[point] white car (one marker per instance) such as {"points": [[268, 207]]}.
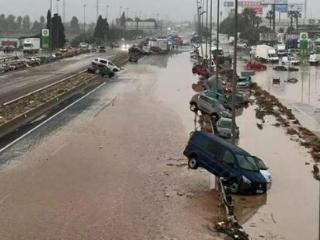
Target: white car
{"points": [[289, 60], [264, 170], [107, 63]]}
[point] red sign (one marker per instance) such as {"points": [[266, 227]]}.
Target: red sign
{"points": [[254, 5]]}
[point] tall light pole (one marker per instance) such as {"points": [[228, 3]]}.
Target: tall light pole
{"points": [[235, 76], [97, 9], [84, 18], [64, 11], [50, 30], [107, 11], [210, 45], [58, 6], [207, 12], [217, 44]]}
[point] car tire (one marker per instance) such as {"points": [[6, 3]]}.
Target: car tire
{"points": [[193, 107], [215, 116], [234, 187], [193, 163]]}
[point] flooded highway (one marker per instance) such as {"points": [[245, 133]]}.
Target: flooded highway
{"points": [[111, 167]]}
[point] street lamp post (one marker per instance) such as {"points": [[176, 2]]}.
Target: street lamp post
{"points": [[50, 30], [107, 11], [217, 43], [84, 18], [235, 76]]}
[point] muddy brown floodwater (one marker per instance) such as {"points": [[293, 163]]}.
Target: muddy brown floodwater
{"points": [[115, 169]]}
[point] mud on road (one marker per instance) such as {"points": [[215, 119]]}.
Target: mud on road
{"points": [[113, 171]]}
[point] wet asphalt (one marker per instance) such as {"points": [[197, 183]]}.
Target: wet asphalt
{"points": [[111, 167]]}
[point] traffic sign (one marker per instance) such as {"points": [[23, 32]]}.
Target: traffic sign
{"points": [[45, 33]]}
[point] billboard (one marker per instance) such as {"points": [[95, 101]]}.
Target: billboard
{"points": [[281, 8], [269, 2], [295, 7], [254, 5], [228, 4]]}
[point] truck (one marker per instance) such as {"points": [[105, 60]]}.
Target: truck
{"points": [[31, 45], [265, 53]]}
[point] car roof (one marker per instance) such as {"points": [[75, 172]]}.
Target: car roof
{"points": [[231, 147]]}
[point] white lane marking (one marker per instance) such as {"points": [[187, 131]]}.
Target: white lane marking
{"points": [[49, 119], [4, 198], [303, 113], [58, 149]]}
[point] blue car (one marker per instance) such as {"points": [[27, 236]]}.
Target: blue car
{"points": [[223, 159]]}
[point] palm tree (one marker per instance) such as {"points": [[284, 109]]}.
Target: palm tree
{"points": [[297, 15], [270, 17], [291, 15]]}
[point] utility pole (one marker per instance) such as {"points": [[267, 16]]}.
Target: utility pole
{"points": [[206, 32], [107, 11], [274, 17], [84, 18], [50, 30], [210, 45], [97, 9], [217, 44], [305, 14], [64, 11], [235, 75]]}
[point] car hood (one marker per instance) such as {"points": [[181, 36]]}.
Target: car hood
{"points": [[253, 176], [266, 174]]}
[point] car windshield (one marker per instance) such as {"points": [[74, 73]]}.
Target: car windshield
{"points": [[225, 124], [103, 61], [247, 162], [260, 164]]}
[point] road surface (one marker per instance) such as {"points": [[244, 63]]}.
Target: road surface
{"points": [[18, 83], [111, 167]]}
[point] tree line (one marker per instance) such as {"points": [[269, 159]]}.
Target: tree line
{"points": [[12, 24]]}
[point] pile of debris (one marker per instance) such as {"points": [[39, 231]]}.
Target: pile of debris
{"points": [[270, 105]]}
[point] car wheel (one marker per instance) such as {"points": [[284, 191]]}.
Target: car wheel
{"points": [[215, 116], [193, 163], [234, 187], [193, 107]]}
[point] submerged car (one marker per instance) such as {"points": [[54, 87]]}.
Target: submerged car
{"points": [[209, 106], [255, 65], [284, 68], [264, 170], [225, 160], [225, 100], [224, 128], [244, 81], [200, 70]]}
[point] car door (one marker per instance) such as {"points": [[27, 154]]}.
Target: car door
{"points": [[204, 103], [228, 164], [208, 157]]}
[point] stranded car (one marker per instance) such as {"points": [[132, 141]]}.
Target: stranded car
{"points": [[284, 68], [208, 106], [225, 160], [107, 63], [224, 128], [200, 70], [255, 65], [101, 69]]}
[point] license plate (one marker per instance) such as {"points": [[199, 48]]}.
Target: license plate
{"points": [[259, 191]]}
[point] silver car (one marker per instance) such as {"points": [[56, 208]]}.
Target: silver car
{"points": [[208, 106], [224, 128]]}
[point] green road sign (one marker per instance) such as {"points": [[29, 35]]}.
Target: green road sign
{"points": [[45, 38]]}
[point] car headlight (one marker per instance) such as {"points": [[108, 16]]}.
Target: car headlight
{"points": [[246, 180]]}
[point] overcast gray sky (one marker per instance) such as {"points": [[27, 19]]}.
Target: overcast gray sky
{"points": [[172, 9]]}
